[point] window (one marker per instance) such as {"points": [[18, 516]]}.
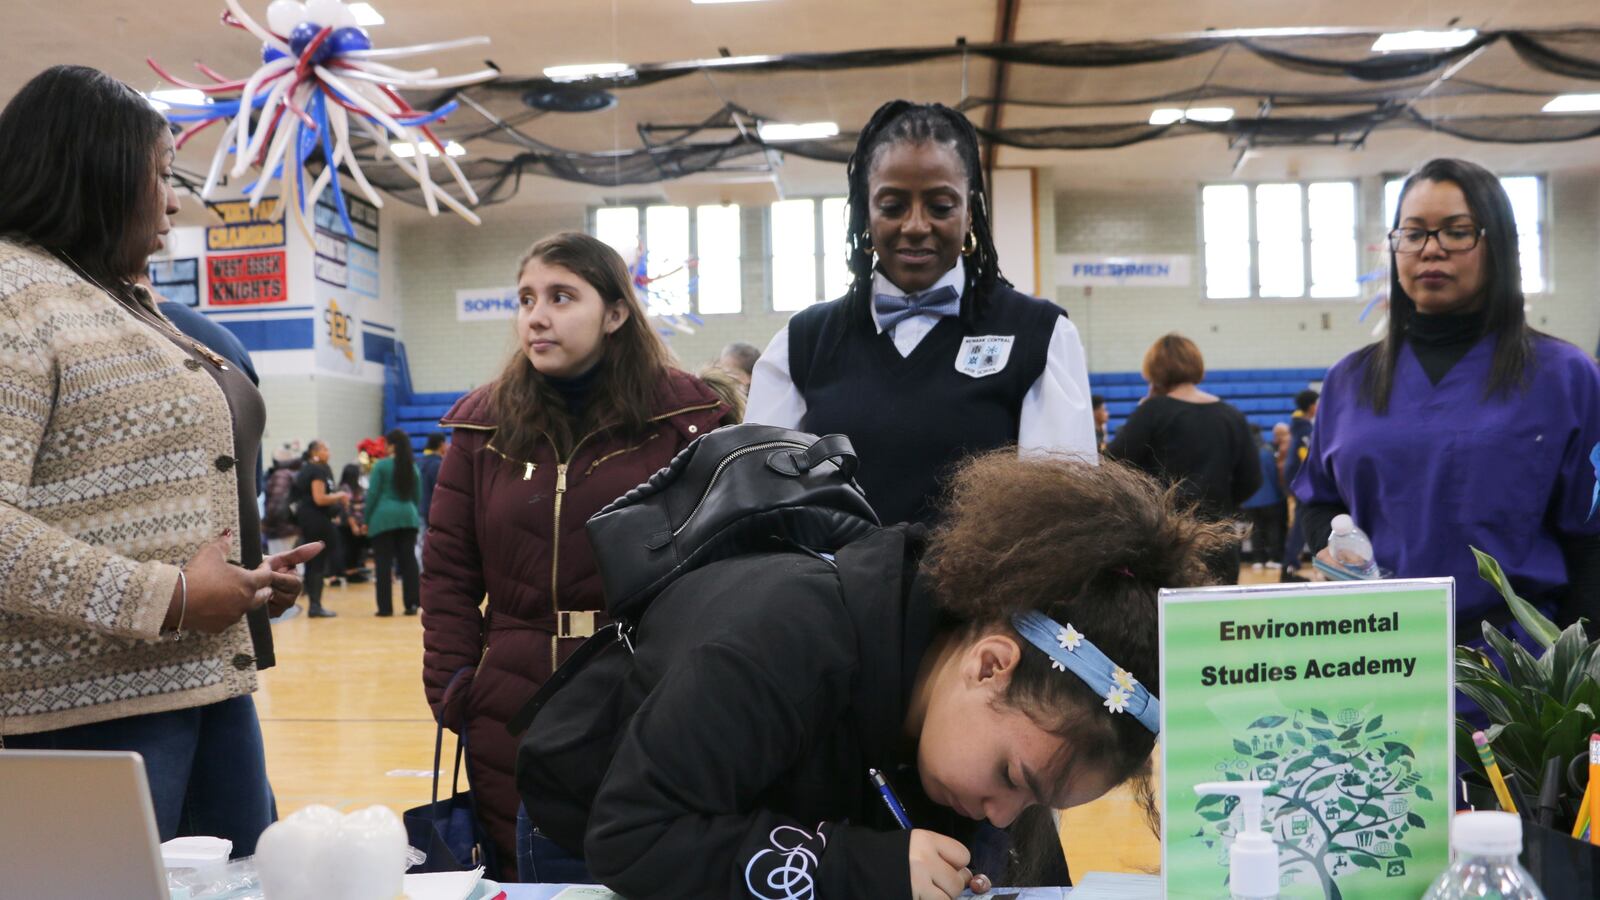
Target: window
{"points": [[1280, 240], [1527, 208], [809, 255], [794, 255], [691, 255]]}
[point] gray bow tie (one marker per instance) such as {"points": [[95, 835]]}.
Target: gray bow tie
{"points": [[892, 310]]}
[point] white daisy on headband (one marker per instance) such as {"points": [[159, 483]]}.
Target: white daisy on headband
{"points": [[1116, 700], [1124, 679], [1069, 638]]}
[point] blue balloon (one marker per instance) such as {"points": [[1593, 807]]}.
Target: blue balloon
{"points": [[345, 40], [301, 36], [270, 53]]}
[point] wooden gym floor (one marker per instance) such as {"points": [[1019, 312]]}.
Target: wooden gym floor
{"points": [[345, 725]]}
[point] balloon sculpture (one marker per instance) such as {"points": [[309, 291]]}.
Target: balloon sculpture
{"points": [[322, 69]]}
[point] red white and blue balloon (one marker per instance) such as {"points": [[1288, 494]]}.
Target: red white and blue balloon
{"points": [[319, 75]]}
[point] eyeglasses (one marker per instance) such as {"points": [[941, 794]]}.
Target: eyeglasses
{"points": [[1452, 239]]}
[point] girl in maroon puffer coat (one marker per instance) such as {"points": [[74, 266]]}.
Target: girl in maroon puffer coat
{"points": [[588, 408]]}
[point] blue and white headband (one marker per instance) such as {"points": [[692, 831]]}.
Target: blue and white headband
{"points": [[1068, 650]]}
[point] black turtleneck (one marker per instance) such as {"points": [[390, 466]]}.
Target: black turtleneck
{"points": [[576, 390], [1442, 339]]}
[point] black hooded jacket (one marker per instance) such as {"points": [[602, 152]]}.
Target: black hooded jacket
{"points": [[763, 688]]}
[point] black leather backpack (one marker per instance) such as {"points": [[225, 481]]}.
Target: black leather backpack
{"points": [[740, 489]]}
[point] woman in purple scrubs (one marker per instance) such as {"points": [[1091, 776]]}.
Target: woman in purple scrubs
{"points": [[1463, 427]]}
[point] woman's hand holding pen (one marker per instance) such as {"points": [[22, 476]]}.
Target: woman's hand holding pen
{"points": [[939, 867]]}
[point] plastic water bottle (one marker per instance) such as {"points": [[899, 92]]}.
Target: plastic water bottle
{"points": [[1485, 847], [1351, 548]]}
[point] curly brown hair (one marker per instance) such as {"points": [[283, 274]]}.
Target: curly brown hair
{"points": [[1081, 543]]}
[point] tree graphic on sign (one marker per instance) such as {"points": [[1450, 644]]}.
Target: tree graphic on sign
{"points": [[1341, 798]]}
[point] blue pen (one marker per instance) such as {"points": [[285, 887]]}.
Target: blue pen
{"points": [[889, 799]]}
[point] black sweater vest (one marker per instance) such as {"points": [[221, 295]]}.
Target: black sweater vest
{"points": [[913, 419]]}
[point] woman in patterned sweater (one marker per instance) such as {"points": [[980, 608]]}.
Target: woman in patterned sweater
{"points": [[130, 548]]}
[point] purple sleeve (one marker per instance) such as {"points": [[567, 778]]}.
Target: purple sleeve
{"points": [[1568, 515], [1314, 483]]}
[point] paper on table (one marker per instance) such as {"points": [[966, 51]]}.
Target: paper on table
{"points": [[1117, 886], [586, 893], [442, 885]]}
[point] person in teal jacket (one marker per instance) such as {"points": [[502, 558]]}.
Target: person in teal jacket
{"points": [[393, 488]]}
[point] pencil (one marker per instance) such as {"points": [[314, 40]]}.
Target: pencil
{"points": [[1594, 792], [1582, 821], [1498, 781]]}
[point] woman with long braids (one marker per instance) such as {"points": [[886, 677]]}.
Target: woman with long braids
{"points": [[930, 356]]}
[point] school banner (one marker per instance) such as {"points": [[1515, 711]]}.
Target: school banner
{"points": [[244, 228], [246, 279], [1342, 697]]}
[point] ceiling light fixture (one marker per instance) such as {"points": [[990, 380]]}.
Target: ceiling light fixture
{"points": [[1167, 115], [588, 70], [802, 131], [163, 100], [407, 151], [1565, 103], [1397, 41]]}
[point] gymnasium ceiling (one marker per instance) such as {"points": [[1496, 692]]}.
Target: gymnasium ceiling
{"points": [[530, 36]]}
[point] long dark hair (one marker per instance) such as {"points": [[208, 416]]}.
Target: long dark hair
{"points": [[632, 363], [1502, 287], [901, 121], [405, 466], [78, 171]]}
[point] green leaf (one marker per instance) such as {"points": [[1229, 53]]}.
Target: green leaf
{"points": [[1402, 850], [1297, 765], [1321, 784], [1540, 628], [1523, 669], [1232, 776], [1208, 800], [1569, 735], [1364, 861], [1424, 793], [1370, 811], [1320, 716], [1565, 656], [1321, 734], [1213, 815], [1375, 724], [1490, 700], [1241, 747], [1416, 821], [1346, 804], [1297, 738], [1269, 721], [1350, 733], [1360, 763], [1267, 755]]}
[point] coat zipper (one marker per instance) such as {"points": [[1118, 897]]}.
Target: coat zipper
{"points": [[726, 461], [555, 534]]}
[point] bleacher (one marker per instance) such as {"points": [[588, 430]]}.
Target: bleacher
{"points": [[1265, 396], [404, 408]]}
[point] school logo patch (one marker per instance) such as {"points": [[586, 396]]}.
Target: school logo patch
{"points": [[986, 355]]}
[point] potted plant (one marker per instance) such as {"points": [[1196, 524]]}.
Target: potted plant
{"points": [[1539, 708]]}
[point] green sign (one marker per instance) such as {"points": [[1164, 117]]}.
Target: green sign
{"points": [[1342, 696]]}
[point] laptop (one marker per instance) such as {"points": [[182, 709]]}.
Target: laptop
{"points": [[78, 824]]}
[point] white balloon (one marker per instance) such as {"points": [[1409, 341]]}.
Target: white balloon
{"points": [[347, 19], [284, 15], [324, 12]]}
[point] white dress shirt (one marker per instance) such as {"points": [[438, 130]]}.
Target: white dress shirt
{"points": [[1055, 418]]}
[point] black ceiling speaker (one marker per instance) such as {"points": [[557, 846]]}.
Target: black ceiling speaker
{"points": [[571, 98]]}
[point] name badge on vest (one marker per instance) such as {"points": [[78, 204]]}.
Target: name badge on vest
{"points": [[986, 355]]}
